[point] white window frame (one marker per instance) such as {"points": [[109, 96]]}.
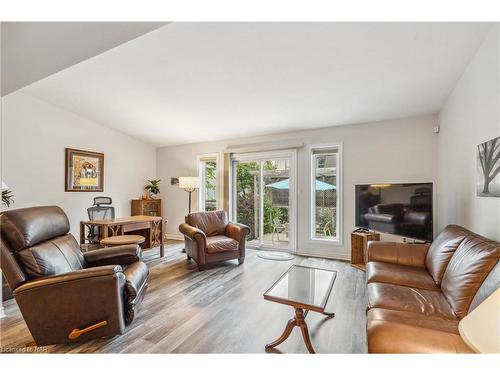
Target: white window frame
{"points": [[219, 183], [338, 240], [263, 156]]}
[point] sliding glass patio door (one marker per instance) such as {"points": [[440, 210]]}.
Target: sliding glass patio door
{"points": [[263, 187]]}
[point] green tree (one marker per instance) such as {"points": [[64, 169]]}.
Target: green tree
{"points": [[245, 194], [247, 189], [210, 185]]}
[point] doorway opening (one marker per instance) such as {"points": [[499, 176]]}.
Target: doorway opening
{"points": [[263, 197]]}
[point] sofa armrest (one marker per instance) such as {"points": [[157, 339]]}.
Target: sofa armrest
{"points": [[196, 242], [237, 231], [121, 255], [54, 307], [397, 253], [191, 232], [82, 274]]}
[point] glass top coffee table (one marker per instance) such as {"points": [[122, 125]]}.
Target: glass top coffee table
{"points": [[305, 289]]}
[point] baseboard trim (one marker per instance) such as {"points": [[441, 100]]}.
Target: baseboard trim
{"points": [[310, 253], [323, 254]]}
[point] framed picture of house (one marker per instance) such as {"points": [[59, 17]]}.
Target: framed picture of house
{"points": [[488, 168], [84, 171]]}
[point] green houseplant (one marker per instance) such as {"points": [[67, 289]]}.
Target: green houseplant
{"points": [[153, 188], [7, 196]]}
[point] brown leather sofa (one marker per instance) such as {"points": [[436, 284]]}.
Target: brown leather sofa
{"points": [[417, 294], [65, 295], [211, 238]]}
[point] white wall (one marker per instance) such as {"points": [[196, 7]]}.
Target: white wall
{"points": [[393, 151], [34, 136], [470, 116]]}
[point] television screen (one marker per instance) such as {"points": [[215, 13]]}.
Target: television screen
{"points": [[401, 209]]}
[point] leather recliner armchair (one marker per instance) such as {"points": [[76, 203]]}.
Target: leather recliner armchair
{"points": [[211, 238], [65, 295]]}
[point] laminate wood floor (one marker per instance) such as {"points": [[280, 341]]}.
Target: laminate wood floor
{"points": [[220, 310]]}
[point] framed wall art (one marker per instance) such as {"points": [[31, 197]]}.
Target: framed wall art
{"points": [[84, 171], [488, 168]]}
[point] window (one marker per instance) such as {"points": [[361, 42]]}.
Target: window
{"points": [[209, 190], [325, 186]]}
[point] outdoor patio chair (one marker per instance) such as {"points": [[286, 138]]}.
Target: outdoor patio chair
{"points": [[278, 228]]}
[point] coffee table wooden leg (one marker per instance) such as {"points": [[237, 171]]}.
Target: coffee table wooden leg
{"points": [[299, 318], [298, 321], [307, 339], [288, 329]]}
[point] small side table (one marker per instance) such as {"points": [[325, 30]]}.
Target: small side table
{"points": [[304, 289], [359, 243], [128, 239]]}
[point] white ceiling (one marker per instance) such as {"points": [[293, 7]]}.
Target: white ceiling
{"points": [[34, 50], [193, 82]]}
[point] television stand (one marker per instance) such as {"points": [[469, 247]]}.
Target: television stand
{"points": [[359, 243]]}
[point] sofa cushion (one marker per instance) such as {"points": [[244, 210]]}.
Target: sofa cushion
{"points": [[26, 227], [52, 257], [415, 319], [403, 298], [398, 274], [442, 249], [219, 244], [390, 331], [211, 223], [468, 268]]}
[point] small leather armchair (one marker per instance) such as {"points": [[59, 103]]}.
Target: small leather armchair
{"points": [[65, 295], [210, 238]]}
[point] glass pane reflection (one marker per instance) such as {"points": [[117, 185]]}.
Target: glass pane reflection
{"points": [[304, 285]]}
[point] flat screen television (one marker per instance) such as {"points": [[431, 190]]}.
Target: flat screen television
{"points": [[401, 209]]}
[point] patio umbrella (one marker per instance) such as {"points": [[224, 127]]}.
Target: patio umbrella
{"points": [[285, 184]]}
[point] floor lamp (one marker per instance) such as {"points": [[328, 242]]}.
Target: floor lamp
{"points": [[189, 184]]}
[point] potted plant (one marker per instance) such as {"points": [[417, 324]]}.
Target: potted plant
{"points": [[7, 196], [153, 188]]}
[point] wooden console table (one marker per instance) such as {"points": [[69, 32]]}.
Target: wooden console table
{"points": [[151, 227]]}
